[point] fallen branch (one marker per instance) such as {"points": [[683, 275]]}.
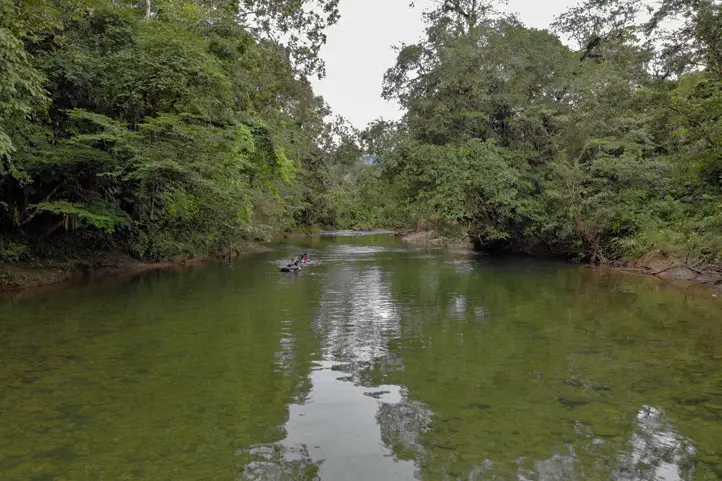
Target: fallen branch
{"points": [[663, 270], [684, 264]]}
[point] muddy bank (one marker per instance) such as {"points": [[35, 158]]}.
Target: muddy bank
{"points": [[656, 264], [432, 238], [668, 267], [22, 276], [27, 275]]}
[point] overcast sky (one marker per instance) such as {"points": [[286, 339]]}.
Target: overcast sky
{"points": [[358, 50]]}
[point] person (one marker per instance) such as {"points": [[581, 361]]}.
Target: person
{"points": [[305, 257]]}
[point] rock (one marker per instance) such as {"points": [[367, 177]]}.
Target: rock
{"points": [[679, 272], [707, 279]]}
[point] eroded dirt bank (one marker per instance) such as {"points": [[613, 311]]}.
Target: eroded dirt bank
{"points": [[22, 276], [658, 264]]}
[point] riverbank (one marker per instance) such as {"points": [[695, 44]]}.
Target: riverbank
{"points": [[20, 276], [432, 238], [28, 275], [668, 267], [658, 264]]}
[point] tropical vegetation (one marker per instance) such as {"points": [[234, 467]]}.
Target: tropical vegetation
{"points": [[176, 127], [601, 140], [164, 128]]}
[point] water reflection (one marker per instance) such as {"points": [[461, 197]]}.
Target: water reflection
{"points": [[656, 451], [457, 307], [274, 462], [377, 362], [402, 424], [333, 435], [349, 426], [435, 369], [357, 314]]}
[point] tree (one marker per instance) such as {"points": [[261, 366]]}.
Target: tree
{"points": [[602, 146], [21, 89], [177, 132], [679, 35], [298, 26]]}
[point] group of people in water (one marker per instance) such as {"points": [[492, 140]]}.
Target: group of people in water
{"points": [[298, 260]]}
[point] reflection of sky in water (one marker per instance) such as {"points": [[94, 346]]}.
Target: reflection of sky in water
{"points": [[656, 451], [335, 434], [342, 430], [286, 354], [350, 253], [349, 428], [557, 467], [457, 307], [357, 315], [463, 266]]}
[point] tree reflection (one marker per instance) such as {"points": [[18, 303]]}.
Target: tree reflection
{"points": [[402, 424], [539, 374], [334, 433], [445, 373], [656, 452], [273, 462]]}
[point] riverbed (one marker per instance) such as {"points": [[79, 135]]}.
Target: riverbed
{"points": [[379, 361]]}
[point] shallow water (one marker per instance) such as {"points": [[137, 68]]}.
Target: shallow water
{"points": [[378, 362]]}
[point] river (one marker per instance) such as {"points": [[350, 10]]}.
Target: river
{"points": [[380, 361]]}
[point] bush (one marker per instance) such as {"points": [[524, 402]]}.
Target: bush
{"points": [[13, 252]]}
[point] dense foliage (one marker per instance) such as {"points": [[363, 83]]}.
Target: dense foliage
{"points": [[162, 128], [603, 151], [189, 126]]}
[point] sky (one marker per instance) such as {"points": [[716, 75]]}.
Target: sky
{"points": [[359, 50]]}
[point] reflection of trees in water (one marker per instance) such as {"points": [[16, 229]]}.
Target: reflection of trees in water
{"points": [[541, 373], [401, 425], [547, 387], [273, 462], [656, 451], [337, 436], [355, 319]]}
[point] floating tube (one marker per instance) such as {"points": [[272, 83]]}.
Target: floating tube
{"points": [[289, 269]]}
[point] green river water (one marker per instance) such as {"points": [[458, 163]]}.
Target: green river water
{"points": [[380, 361]]}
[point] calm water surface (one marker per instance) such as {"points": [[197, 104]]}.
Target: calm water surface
{"points": [[378, 362]]}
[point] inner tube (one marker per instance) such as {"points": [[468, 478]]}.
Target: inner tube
{"points": [[289, 269]]}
